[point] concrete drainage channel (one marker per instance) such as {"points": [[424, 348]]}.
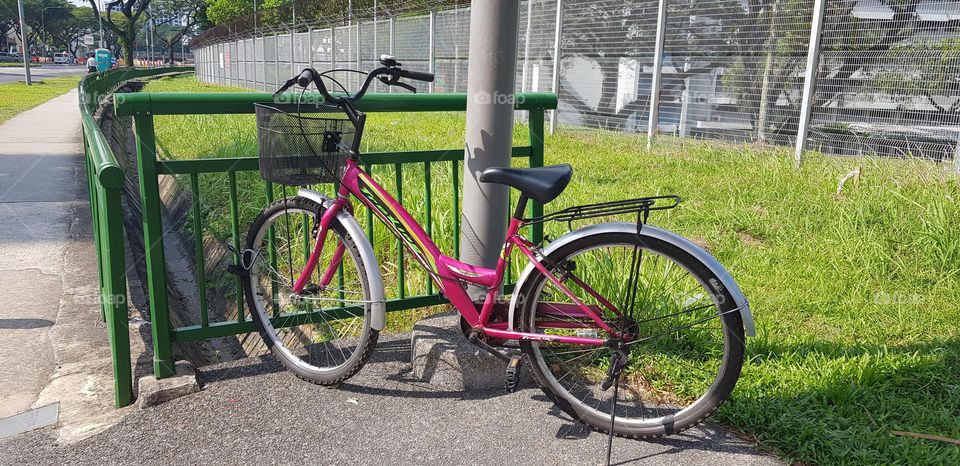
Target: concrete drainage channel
{"points": [[181, 289]]}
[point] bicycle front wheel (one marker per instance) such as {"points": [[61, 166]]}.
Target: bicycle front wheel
{"points": [[323, 335], [688, 338]]}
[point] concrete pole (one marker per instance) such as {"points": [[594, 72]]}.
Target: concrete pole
{"points": [[557, 35], [654, 113], [23, 43], [810, 79], [491, 78]]}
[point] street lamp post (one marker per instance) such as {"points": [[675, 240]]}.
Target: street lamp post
{"points": [[100, 20], [23, 44]]}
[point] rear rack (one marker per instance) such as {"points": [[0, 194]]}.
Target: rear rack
{"points": [[641, 206]]}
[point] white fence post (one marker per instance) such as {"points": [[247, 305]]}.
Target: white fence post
{"points": [[393, 24], [654, 113], [432, 55], [526, 47], [309, 47], [810, 79], [333, 47], [557, 35], [276, 64]]}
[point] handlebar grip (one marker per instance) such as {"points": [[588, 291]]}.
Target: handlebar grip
{"points": [[305, 78], [417, 75]]}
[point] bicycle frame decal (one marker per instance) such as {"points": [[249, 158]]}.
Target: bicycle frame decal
{"points": [[378, 202]]}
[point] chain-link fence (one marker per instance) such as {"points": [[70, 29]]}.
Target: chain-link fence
{"points": [[887, 78]]}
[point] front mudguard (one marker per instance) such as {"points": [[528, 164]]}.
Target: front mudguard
{"points": [[378, 306], [726, 280]]}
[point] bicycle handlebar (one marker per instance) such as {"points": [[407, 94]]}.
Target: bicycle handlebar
{"points": [[309, 75], [426, 77]]}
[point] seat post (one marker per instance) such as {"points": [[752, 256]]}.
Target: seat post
{"points": [[521, 206]]}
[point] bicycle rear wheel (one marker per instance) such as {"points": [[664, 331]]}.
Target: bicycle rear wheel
{"points": [[323, 335], [689, 338]]}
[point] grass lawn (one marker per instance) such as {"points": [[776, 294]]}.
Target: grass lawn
{"points": [[18, 97], [855, 295]]}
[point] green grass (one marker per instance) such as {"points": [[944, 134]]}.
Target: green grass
{"points": [[18, 97], [855, 295], [17, 65]]}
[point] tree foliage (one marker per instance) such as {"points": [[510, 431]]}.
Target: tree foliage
{"points": [[122, 18], [174, 19]]}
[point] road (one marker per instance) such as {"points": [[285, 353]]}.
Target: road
{"points": [[9, 75]]}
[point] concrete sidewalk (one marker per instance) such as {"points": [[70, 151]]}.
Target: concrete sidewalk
{"points": [[253, 411], [53, 347]]}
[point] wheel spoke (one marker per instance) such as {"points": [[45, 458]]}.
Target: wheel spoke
{"points": [[679, 341], [331, 345]]}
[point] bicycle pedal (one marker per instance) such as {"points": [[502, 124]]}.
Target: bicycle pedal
{"points": [[512, 376]]}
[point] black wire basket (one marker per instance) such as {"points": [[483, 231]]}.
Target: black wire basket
{"points": [[306, 145]]}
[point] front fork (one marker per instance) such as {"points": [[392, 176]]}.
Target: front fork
{"points": [[326, 218]]}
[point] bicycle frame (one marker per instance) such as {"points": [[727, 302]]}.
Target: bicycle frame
{"points": [[448, 272]]}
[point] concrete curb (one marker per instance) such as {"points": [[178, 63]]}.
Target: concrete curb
{"points": [[153, 391], [441, 356]]}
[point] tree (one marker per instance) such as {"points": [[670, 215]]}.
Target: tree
{"points": [[124, 27], [175, 19], [68, 32]]}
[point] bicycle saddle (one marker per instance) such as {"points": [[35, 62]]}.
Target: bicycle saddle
{"points": [[542, 184]]}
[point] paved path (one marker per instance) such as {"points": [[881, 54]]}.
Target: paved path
{"points": [[52, 346], [253, 411], [14, 74]]}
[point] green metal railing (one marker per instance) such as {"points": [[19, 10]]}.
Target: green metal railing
{"points": [[105, 190], [144, 106]]}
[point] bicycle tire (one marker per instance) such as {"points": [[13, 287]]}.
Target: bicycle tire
{"points": [[719, 390], [367, 340]]}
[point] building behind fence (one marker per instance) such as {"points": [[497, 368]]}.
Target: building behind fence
{"points": [[887, 78]]}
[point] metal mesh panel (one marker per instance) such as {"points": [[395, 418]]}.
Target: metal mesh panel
{"points": [[234, 68], [259, 68], [887, 80], [734, 70], [452, 42], [606, 63], [321, 49], [535, 54], [284, 49], [345, 54], [301, 47]]}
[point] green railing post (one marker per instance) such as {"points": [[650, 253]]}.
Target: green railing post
{"points": [[118, 323], [163, 365], [535, 123]]}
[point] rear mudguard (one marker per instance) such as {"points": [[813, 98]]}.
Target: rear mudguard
{"points": [[378, 306], [726, 281]]}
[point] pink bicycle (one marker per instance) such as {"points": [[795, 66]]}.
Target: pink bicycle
{"points": [[621, 304]]}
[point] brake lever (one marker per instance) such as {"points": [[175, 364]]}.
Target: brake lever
{"points": [[406, 86], [394, 80]]}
